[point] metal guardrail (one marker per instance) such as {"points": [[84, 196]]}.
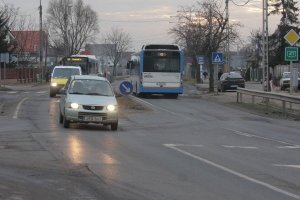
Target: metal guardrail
{"points": [[284, 98]]}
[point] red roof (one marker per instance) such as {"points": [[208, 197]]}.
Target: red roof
{"points": [[28, 41]]}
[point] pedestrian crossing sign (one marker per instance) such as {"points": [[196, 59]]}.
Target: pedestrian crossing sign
{"points": [[217, 58]]}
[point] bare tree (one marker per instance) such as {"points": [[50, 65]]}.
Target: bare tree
{"points": [[27, 50], [117, 42], [202, 29], [71, 24]]}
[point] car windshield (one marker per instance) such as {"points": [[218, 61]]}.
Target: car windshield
{"points": [[90, 87], [167, 63], [234, 75], [288, 75], [65, 72]]}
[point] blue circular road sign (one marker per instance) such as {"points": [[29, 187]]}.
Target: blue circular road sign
{"points": [[126, 88]]}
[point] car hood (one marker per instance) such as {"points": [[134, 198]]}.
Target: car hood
{"points": [[92, 99], [285, 79], [60, 81]]}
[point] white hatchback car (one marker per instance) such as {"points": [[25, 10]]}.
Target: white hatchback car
{"points": [[88, 99], [285, 80]]}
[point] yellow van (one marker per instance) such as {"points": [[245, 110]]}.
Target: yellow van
{"points": [[60, 76]]}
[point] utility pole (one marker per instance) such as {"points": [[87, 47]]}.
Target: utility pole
{"points": [[265, 47], [227, 53], [211, 68], [41, 42]]}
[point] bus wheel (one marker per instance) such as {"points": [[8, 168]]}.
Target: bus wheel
{"points": [[171, 96], [175, 96]]}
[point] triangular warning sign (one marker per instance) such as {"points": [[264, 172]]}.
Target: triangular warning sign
{"points": [[217, 59]]}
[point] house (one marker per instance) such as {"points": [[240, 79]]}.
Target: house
{"points": [[28, 46]]}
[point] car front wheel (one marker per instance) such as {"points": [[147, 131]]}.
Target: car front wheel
{"points": [[114, 126], [222, 88], [66, 123], [61, 118], [52, 93]]}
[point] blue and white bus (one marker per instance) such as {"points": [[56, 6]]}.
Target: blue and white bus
{"points": [[157, 69]]}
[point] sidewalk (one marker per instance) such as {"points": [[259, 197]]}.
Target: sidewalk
{"points": [[228, 98], [14, 85]]}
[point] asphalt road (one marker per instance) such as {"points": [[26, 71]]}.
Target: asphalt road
{"points": [[188, 148]]}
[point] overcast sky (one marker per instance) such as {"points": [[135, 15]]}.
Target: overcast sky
{"points": [[148, 21]]}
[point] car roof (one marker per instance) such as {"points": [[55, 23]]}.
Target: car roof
{"points": [[89, 77], [62, 66]]}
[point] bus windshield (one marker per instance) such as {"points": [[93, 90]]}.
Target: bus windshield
{"points": [[154, 63]]}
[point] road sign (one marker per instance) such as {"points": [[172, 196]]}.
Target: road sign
{"points": [[126, 88], [217, 58], [291, 54], [4, 57], [291, 37], [200, 59]]}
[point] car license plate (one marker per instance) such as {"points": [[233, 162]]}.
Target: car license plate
{"points": [[92, 118], [234, 86]]}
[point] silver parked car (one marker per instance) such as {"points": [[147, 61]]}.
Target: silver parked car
{"points": [[285, 79], [88, 99]]}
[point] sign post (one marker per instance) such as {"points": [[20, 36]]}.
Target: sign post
{"points": [[291, 54], [217, 58], [4, 58], [200, 60], [126, 88]]}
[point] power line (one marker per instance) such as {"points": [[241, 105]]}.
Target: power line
{"points": [[137, 21], [245, 3]]}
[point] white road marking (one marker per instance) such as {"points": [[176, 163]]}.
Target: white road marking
{"points": [[239, 147], [12, 92], [256, 136], [291, 166], [290, 147], [57, 101], [41, 92], [26, 92], [183, 145], [159, 108], [223, 168], [15, 116]]}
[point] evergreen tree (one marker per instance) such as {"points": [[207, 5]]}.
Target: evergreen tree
{"points": [[3, 32], [289, 20]]}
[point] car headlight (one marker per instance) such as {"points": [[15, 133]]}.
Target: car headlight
{"points": [[111, 108], [53, 84], [72, 105]]}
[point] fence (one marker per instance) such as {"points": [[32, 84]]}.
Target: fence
{"points": [[267, 96], [20, 75]]}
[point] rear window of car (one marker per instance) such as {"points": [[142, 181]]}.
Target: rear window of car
{"points": [[65, 72], [234, 75]]}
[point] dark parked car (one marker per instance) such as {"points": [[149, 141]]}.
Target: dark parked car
{"points": [[230, 81]]}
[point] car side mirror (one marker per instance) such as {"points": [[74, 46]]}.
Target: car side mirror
{"points": [[62, 91]]}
